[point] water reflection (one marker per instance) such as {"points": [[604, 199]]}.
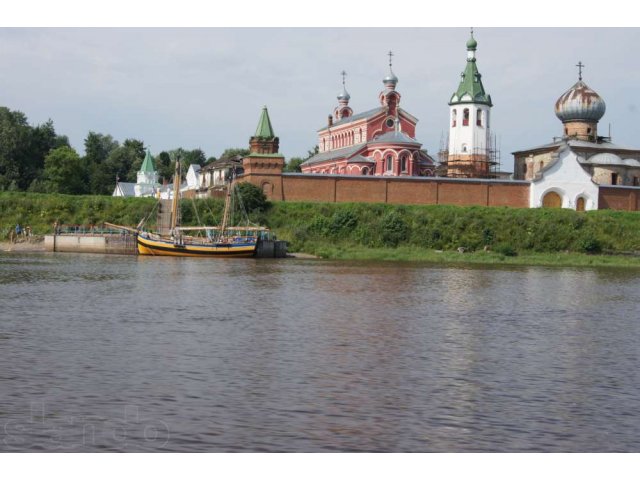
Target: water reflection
{"points": [[314, 356]]}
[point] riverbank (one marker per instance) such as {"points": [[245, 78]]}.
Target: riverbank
{"points": [[359, 231], [33, 245], [412, 254]]}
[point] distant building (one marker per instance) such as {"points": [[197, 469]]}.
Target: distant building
{"points": [[147, 181], [217, 174], [471, 151], [378, 142], [567, 172]]}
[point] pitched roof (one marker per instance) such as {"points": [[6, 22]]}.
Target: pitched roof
{"points": [[395, 137], [264, 130], [359, 116], [360, 159], [126, 188], [603, 146], [334, 154], [147, 164], [235, 161]]}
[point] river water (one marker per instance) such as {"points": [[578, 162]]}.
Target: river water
{"points": [[117, 353]]}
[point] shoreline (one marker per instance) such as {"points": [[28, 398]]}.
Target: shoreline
{"points": [[490, 258], [422, 256], [36, 245]]}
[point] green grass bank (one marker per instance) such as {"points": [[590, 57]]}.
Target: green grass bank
{"points": [[431, 233]]}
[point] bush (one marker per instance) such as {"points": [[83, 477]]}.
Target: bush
{"points": [[506, 250], [590, 245], [341, 221], [394, 229], [253, 198]]}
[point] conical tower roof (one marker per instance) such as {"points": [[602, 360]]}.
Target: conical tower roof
{"points": [[147, 164], [471, 89], [264, 130]]}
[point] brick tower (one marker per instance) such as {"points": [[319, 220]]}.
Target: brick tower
{"points": [[263, 166]]}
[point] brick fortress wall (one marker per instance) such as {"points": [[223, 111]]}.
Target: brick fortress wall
{"points": [[397, 190], [619, 198], [296, 187]]}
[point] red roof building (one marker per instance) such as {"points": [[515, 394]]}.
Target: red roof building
{"points": [[378, 142]]}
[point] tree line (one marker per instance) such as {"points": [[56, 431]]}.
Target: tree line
{"points": [[38, 159]]}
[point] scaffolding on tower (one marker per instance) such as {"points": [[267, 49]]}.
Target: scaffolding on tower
{"points": [[479, 163]]}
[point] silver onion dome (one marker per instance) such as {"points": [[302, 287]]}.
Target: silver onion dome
{"points": [[580, 103], [344, 95], [390, 79]]}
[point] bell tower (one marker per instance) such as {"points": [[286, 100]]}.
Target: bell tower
{"points": [[469, 123]]}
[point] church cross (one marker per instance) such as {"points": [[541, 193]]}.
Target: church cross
{"points": [[390, 55], [580, 66], [344, 74]]}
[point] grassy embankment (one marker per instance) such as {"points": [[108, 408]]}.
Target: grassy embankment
{"points": [[378, 231]]}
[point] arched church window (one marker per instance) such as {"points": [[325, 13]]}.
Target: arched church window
{"points": [[464, 148], [365, 171], [403, 163], [580, 204], [389, 163], [454, 115], [465, 117], [479, 117]]}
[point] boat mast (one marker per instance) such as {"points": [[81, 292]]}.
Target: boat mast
{"points": [[176, 195], [227, 206]]}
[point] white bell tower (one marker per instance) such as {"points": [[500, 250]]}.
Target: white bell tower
{"points": [[469, 123]]}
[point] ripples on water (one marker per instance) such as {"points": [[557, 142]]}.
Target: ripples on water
{"points": [[110, 353]]}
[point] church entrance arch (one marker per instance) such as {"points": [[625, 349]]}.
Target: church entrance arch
{"points": [[580, 204], [552, 200]]}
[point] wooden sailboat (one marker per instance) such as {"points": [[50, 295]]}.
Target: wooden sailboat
{"points": [[219, 241]]}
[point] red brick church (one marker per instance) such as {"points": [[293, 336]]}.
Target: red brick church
{"points": [[379, 142]]}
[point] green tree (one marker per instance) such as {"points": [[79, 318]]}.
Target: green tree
{"points": [[15, 143], [194, 157], [64, 171], [293, 165], [232, 152], [164, 165], [97, 149], [123, 163], [253, 198], [137, 152]]}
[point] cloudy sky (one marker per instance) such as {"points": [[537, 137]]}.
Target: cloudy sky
{"points": [[204, 87]]}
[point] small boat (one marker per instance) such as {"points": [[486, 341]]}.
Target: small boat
{"points": [[219, 241]]}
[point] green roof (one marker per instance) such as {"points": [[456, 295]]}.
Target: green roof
{"points": [[471, 82], [147, 165], [264, 130]]}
